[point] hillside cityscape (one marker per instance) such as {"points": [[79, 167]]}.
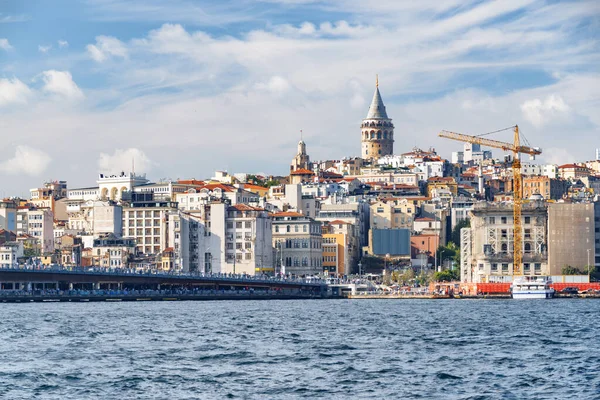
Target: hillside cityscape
{"points": [[406, 212]]}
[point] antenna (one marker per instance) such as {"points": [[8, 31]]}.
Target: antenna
{"points": [[301, 136], [132, 165], [376, 80]]}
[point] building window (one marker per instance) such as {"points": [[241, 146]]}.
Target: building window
{"points": [[304, 228], [276, 228], [494, 267], [238, 225], [504, 267], [504, 220], [527, 220], [492, 220], [296, 228], [288, 229]]}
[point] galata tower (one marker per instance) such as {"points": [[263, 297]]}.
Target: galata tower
{"points": [[377, 130]]}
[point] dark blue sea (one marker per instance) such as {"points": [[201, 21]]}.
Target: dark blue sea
{"points": [[328, 349]]}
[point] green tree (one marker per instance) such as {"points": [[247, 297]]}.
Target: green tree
{"points": [[450, 251], [568, 270], [446, 276], [455, 234]]}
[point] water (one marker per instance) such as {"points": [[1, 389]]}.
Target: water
{"points": [[335, 349]]}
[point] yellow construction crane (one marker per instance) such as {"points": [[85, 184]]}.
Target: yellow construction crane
{"points": [[516, 148]]}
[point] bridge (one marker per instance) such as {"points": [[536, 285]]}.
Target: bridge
{"points": [[37, 281]]}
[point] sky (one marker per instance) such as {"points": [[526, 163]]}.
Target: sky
{"points": [[187, 87]]}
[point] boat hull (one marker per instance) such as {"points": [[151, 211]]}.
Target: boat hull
{"points": [[533, 294]]}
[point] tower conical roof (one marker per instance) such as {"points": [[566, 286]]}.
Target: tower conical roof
{"points": [[377, 109]]}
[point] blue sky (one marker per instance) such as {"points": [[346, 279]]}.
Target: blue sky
{"points": [[187, 87]]}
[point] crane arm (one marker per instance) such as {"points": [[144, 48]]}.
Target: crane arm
{"points": [[489, 142]]}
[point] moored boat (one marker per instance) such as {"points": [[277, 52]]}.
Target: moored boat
{"points": [[532, 287]]}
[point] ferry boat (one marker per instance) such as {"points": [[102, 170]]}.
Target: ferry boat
{"points": [[532, 287]]}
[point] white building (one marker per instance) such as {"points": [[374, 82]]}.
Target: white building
{"points": [[245, 238], [10, 252], [189, 238], [94, 217], [8, 215], [549, 170], [110, 187], [298, 242], [38, 223]]}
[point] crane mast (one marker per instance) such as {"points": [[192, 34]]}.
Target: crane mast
{"points": [[516, 149]]}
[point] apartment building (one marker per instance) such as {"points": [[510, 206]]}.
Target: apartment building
{"points": [[298, 242]]}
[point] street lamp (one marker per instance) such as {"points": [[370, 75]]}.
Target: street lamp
{"points": [[359, 268], [588, 259]]}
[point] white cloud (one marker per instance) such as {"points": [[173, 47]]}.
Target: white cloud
{"points": [[539, 112], [13, 91], [357, 100], [63, 43], [61, 83], [442, 66], [106, 47], [44, 49], [276, 85], [124, 160], [558, 156], [5, 45], [27, 160]]}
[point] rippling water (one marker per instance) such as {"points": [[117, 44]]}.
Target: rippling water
{"points": [[333, 349]]}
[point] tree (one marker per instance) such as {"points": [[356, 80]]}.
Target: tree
{"points": [[450, 251], [568, 270], [455, 234], [446, 276]]}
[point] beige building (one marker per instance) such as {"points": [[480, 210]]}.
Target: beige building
{"points": [[298, 242], [341, 249], [573, 171], [392, 213], [487, 246], [147, 223], [570, 236], [302, 160], [377, 130], [550, 188]]}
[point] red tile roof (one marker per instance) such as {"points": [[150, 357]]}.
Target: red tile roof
{"points": [[245, 207], [223, 187], [302, 171], [337, 222], [287, 214]]}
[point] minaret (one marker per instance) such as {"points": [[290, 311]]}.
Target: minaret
{"points": [[377, 135]]}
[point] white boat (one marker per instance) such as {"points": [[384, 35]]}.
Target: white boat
{"points": [[532, 287]]}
